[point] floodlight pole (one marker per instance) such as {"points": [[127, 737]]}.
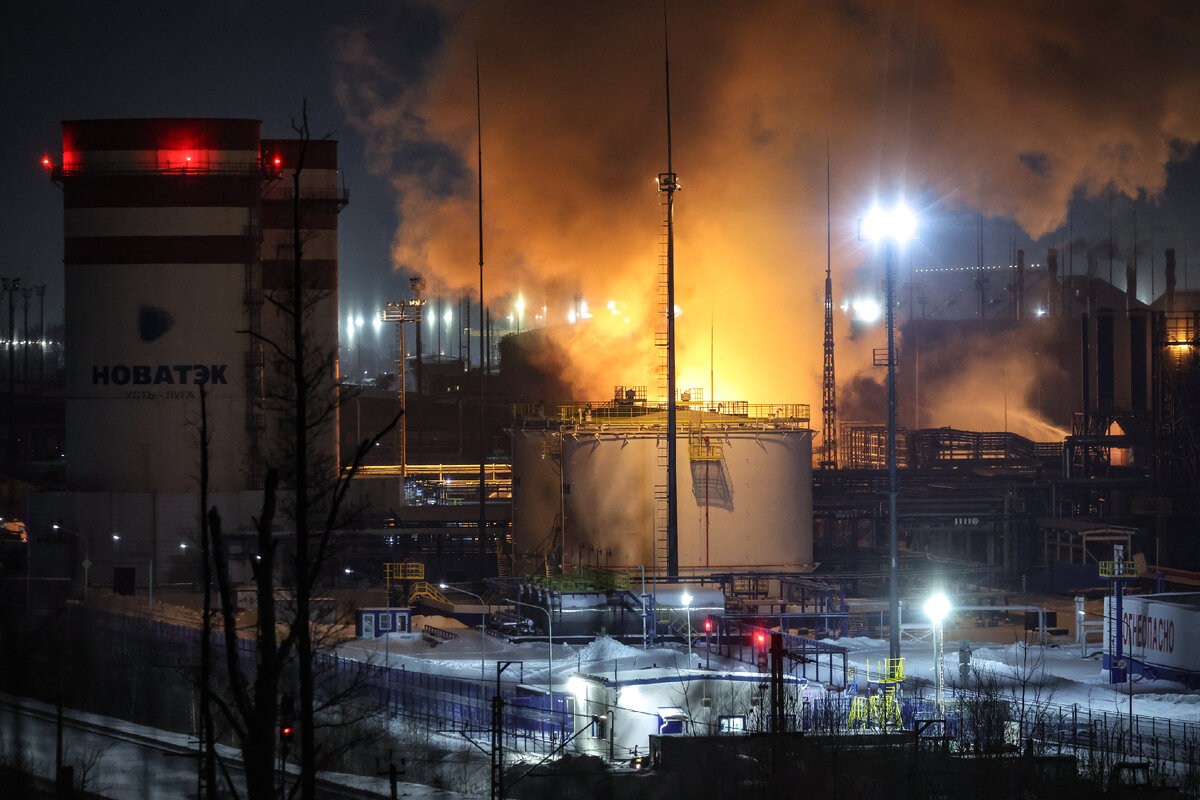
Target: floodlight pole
{"points": [[936, 608], [482, 618], [550, 637], [889, 262], [401, 312], [687, 610], [939, 682]]}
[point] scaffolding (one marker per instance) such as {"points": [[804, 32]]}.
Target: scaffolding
{"points": [[877, 706]]}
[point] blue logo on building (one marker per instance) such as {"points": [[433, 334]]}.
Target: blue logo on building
{"points": [[153, 323]]}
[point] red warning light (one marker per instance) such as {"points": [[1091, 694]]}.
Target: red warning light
{"points": [[708, 625], [45, 162], [278, 161], [285, 732], [761, 638]]}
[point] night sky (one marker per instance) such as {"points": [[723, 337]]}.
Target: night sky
{"points": [[1040, 117], [80, 60]]}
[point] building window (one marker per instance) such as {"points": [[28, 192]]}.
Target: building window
{"points": [[733, 724]]}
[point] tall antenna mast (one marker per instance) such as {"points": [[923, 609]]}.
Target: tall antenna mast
{"points": [[667, 185], [482, 354], [829, 406]]}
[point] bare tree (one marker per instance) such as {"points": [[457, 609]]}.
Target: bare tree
{"points": [[304, 490]]}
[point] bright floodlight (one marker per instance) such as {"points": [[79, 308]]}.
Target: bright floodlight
{"points": [[898, 224], [937, 607], [866, 310], [687, 600]]}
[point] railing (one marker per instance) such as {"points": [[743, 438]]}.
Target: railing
{"points": [[728, 413], [439, 633], [584, 578]]}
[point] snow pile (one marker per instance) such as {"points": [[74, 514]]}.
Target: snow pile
{"points": [[606, 648], [436, 620], [853, 643]]}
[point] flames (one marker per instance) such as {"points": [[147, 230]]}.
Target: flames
{"points": [[1007, 108]]}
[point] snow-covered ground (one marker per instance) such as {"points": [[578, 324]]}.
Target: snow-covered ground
{"points": [[1069, 677], [1066, 675]]}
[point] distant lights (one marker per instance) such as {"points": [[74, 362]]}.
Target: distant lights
{"points": [[975, 268]]}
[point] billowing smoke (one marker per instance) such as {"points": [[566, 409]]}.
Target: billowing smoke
{"points": [[1009, 107]]}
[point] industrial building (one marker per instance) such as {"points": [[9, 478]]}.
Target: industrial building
{"points": [[1114, 381], [184, 242]]}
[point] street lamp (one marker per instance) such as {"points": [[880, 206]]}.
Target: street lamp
{"points": [[687, 610], [891, 227], [936, 608], [550, 636], [87, 561], [482, 617]]}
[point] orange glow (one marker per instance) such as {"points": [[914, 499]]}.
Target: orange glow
{"points": [[573, 142]]}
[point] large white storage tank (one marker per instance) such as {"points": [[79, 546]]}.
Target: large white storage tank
{"points": [[744, 488]]}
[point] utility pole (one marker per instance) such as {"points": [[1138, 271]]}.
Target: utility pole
{"points": [[482, 357], [11, 286], [40, 291], [497, 752], [25, 294]]}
